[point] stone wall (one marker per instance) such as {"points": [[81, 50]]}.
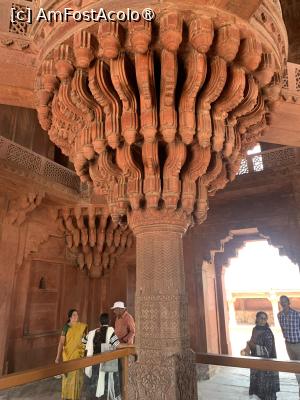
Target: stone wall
{"points": [[47, 285], [41, 281]]}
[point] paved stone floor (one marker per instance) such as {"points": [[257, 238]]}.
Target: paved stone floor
{"points": [[227, 384], [47, 389], [233, 384]]}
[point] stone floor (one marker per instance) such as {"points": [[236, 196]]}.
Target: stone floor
{"points": [[227, 384], [233, 384]]}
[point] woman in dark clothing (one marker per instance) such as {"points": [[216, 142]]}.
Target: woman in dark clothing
{"points": [[103, 381], [264, 384]]}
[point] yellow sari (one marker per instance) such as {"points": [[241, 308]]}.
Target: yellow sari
{"points": [[73, 348]]}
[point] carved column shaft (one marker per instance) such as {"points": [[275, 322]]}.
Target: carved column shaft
{"points": [[165, 367]]}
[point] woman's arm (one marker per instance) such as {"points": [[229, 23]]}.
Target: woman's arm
{"points": [[60, 348]]}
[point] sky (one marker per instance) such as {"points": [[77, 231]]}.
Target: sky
{"points": [[259, 267]]}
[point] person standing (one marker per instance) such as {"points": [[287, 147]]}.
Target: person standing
{"points": [[102, 384], [71, 347], [263, 384], [124, 324], [289, 320]]}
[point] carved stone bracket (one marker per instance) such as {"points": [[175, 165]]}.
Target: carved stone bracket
{"points": [[95, 239], [22, 206]]}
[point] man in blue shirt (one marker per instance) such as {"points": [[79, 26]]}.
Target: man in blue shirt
{"points": [[289, 320]]}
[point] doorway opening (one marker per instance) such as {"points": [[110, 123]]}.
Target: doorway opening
{"points": [[254, 281]]}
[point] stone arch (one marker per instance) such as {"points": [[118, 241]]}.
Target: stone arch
{"points": [[229, 247]]}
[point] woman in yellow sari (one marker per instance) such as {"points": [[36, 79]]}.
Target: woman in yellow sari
{"points": [[71, 347]]}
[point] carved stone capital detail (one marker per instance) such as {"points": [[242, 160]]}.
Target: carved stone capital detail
{"points": [[152, 220], [22, 206]]}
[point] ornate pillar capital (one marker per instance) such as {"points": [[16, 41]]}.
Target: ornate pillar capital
{"points": [[152, 220]]}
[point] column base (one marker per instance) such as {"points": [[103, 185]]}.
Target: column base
{"points": [[159, 377]]}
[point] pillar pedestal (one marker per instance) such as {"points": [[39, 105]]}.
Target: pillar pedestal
{"points": [[166, 367]]}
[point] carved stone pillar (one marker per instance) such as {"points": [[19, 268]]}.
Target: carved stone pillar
{"points": [[165, 367], [157, 123]]}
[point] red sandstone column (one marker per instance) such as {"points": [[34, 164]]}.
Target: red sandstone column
{"points": [[222, 311], [165, 367], [8, 260]]}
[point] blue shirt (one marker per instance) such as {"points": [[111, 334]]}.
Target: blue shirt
{"points": [[290, 325]]}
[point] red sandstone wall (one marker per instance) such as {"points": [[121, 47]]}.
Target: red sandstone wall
{"points": [[201, 290], [38, 314]]}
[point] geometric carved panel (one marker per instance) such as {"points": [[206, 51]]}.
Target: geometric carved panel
{"points": [[297, 79], [285, 79], [19, 27], [243, 167]]}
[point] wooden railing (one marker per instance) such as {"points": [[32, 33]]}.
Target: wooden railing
{"points": [[36, 374], [264, 364]]}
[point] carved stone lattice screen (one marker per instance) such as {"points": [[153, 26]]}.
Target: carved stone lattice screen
{"points": [[268, 160], [243, 167], [20, 26], [285, 79], [33, 162], [157, 116], [257, 163], [279, 157]]}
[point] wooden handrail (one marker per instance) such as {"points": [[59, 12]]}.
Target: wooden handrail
{"points": [[36, 374], [264, 364]]}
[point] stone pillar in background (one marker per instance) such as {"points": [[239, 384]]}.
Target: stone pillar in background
{"points": [[222, 309], [165, 362], [275, 308], [232, 319]]}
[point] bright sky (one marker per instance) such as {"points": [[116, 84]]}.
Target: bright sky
{"points": [[259, 267]]}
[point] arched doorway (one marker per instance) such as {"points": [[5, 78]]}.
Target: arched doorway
{"points": [[254, 281]]}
